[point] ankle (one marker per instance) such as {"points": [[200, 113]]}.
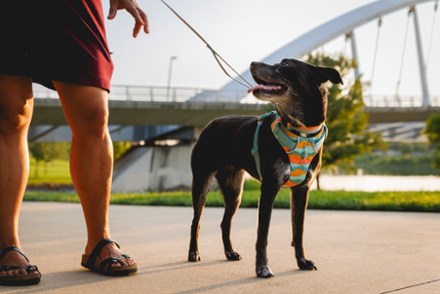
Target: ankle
{"points": [[13, 258], [9, 243], [94, 240]]}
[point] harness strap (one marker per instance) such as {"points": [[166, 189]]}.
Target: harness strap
{"points": [[255, 152], [290, 139]]}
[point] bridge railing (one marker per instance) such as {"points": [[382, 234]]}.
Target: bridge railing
{"points": [[156, 94], [183, 94], [172, 94], [153, 94], [398, 101]]}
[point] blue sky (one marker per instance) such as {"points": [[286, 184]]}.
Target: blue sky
{"points": [[243, 31]]}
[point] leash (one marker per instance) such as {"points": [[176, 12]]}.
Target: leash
{"points": [[217, 56]]}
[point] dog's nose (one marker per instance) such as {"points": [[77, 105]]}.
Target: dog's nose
{"points": [[254, 63]]}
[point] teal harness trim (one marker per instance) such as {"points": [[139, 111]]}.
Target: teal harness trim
{"points": [[300, 148], [254, 149]]}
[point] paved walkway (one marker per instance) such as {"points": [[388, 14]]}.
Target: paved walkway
{"points": [[356, 252]]}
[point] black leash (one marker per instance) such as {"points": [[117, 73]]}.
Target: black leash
{"points": [[217, 56]]}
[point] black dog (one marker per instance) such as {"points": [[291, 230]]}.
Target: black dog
{"points": [[224, 149]]}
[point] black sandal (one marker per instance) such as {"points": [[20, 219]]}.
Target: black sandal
{"points": [[94, 263], [32, 277]]}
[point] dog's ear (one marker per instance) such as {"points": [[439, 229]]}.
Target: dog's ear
{"points": [[329, 74]]}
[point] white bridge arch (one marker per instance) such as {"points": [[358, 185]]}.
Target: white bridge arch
{"points": [[339, 26]]}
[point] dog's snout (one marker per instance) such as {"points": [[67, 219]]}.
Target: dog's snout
{"points": [[254, 63]]}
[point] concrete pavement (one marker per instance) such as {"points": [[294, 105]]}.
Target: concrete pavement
{"points": [[355, 252]]}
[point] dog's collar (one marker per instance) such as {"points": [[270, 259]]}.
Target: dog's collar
{"points": [[289, 138], [305, 132]]}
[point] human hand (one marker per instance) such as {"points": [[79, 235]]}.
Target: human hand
{"points": [[133, 8]]}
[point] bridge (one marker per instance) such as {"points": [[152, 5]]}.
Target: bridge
{"points": [[149, 106]]}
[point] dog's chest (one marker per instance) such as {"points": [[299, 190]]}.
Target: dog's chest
{"points": [[300, 151]]}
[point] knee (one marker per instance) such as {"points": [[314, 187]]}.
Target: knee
{"points": [[93, 123], [15, 118]]}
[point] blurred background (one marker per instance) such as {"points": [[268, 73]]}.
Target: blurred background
{"points": [[167, 86]]}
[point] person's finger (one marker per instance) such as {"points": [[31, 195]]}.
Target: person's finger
{"points": [[114, 4], [133, 10], [145, 19], [136, 12], [137, 28]]}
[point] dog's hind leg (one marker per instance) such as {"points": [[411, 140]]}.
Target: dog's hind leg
{"points": [[298, 205], [230, 181], [200, 188]]}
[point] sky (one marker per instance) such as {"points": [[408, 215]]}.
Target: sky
{"points": [[243, 31]]}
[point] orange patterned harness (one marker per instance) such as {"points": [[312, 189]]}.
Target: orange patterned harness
{"points": [[300, 148]]}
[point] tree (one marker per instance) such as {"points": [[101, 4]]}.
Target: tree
{"points": [[119, 148], [346, 119], [48, 151], [432, 130]]}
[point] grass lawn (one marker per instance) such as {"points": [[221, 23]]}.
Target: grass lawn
{"points": [[335, 200], [55, 172]]}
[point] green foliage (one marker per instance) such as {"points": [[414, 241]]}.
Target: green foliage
{"points": [[119, 148], [403, 165], [55, 156], [346, 119], [436, 158], [50, 196], [48, 151], [384, 201], [338, 200], [408, 148], [251, 185], [433, 132], [57, 173], [432, 129]]}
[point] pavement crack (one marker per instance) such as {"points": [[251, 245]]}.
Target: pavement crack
{"points": [[411, 286]]}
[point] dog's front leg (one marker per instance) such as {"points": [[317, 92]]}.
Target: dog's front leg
{"points": [[299, 197], [264, 214]]}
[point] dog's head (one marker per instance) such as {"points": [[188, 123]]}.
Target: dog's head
{"points": [[295, 87]]}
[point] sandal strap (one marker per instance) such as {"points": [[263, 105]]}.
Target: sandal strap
{"points": [[107, 263], [28, 269], [97, 250], [12, 248]]}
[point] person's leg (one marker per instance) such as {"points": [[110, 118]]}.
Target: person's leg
{"points": [[16, 104], [91, 159]]}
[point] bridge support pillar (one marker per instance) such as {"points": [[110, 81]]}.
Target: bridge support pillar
{"points": [[422, 65], [354, 53]]}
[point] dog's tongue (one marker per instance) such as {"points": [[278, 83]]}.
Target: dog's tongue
{"points": [[263, 87]]}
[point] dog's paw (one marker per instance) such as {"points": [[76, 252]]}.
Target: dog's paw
{"points": [[306, 265], [193, 256], [232, 256], [263, 271]]}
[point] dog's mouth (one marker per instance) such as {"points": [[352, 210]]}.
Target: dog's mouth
{"points": [[264, 87]]}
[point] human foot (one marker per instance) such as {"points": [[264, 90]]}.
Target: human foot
{"points": [[107, 259], [15, 269]]}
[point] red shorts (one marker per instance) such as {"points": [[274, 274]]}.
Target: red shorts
{"points": [[55, 40]]}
